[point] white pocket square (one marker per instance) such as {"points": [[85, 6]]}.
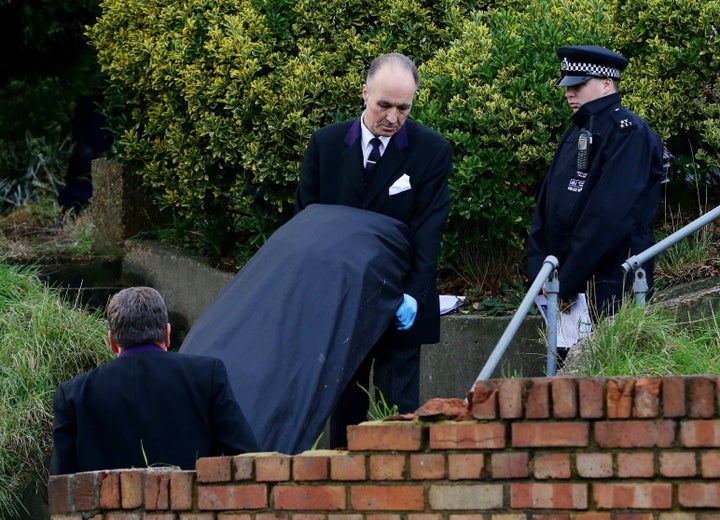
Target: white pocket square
{"points": [[400, 185]]}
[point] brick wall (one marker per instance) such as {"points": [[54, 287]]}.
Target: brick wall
{"points": [[545, 448]]}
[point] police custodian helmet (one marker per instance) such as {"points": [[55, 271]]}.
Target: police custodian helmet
{"points": [[583, 62]]}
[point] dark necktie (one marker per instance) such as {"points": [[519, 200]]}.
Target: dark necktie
{"points": [[372, 160]]}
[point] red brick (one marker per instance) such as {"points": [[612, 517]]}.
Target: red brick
{"points": [[467, 435], [345, 516], [236, 516], [673, 395], [387, 467], [639, 495], [158, 516], [424, 516], [594, 465], [386, 436], [85, 491], [510, 465], [214, 469], [310, 466], [556, 516], [224, 497], [382, 516], [701, 391], [552, 466], [591, 394], [564, 397], [619, 397], [710, 464], [549, 496], [636, 465], [109, 486], [272, 516], [592, 516], [484, 404], [309, 497], [700, 434], [678, 464], [482, 517], [699, 494], [635, 434], [510, 398], [427, 466], [545, 434], [181, 490], [272, 467], [346, 466], [647, 398], [131, 489], [634, 516], [59, 496], [463, 466], [537, 404], [244, 466], [183, 516], [157, 490], [308, 516], [465, 497], [387, 498]]}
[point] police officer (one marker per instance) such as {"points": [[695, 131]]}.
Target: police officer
{"points": [[599, 199]]}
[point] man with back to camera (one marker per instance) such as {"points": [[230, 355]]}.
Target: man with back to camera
{"points": [[389, 164], [148, 406], [599, 199]]}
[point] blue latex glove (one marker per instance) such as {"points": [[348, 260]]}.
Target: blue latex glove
{"points": [[405, 314]]}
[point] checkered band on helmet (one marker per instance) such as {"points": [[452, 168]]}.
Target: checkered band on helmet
{"points": [[589, 69]]}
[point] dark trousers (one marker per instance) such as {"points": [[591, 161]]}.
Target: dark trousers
{"points": [[396, 372]]}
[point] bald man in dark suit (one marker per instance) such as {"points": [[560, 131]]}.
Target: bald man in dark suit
{"points": [[408, 181]]}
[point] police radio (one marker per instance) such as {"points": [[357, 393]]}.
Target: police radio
{"points": [[584, 147]]}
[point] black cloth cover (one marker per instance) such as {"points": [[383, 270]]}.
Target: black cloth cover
{"points": [[296, 321]]}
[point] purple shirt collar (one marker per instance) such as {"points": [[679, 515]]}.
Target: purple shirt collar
{"points": [[143, 347]]}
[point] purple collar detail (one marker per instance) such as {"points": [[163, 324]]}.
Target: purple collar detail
{"points": [[137, 349]]}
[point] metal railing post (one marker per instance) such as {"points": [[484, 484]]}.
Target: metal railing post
{"points": [[550, 265], [552, 288]]}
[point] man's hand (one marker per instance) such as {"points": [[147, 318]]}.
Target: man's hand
{"points": [[405, 314]]}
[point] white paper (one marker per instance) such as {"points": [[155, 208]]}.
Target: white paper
{"points": [[572, 326], [449, 303]]}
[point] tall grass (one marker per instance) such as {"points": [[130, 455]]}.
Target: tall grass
{"points": [[43, 341], [648, 341]]}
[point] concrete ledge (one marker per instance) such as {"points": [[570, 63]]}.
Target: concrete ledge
{"points": [[448, 369]]}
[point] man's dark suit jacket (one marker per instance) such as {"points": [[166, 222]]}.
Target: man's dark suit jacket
{"points": [[332, 173], [171, 408]]}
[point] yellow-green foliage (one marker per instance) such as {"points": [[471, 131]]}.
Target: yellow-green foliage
{"points": [[43, 341], [224, 94], [215, 100], [674, 75], [490, 91]]}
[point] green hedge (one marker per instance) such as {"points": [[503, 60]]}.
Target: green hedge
{"points": [[215, 100]]}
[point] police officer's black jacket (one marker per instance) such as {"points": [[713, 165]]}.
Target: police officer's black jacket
{"points": [[593, 220]]}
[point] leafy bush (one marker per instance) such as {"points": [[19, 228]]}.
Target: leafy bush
{"points": [[673, 80], [43, 341], [215, 100], [223, 96], [491, 93]]}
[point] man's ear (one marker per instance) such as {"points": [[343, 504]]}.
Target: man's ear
{"points": [[166, 345], [113, 345]]}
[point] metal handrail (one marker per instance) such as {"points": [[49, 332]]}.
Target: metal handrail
{"points": [[548, 273], [548, 276], [634, 263]]}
